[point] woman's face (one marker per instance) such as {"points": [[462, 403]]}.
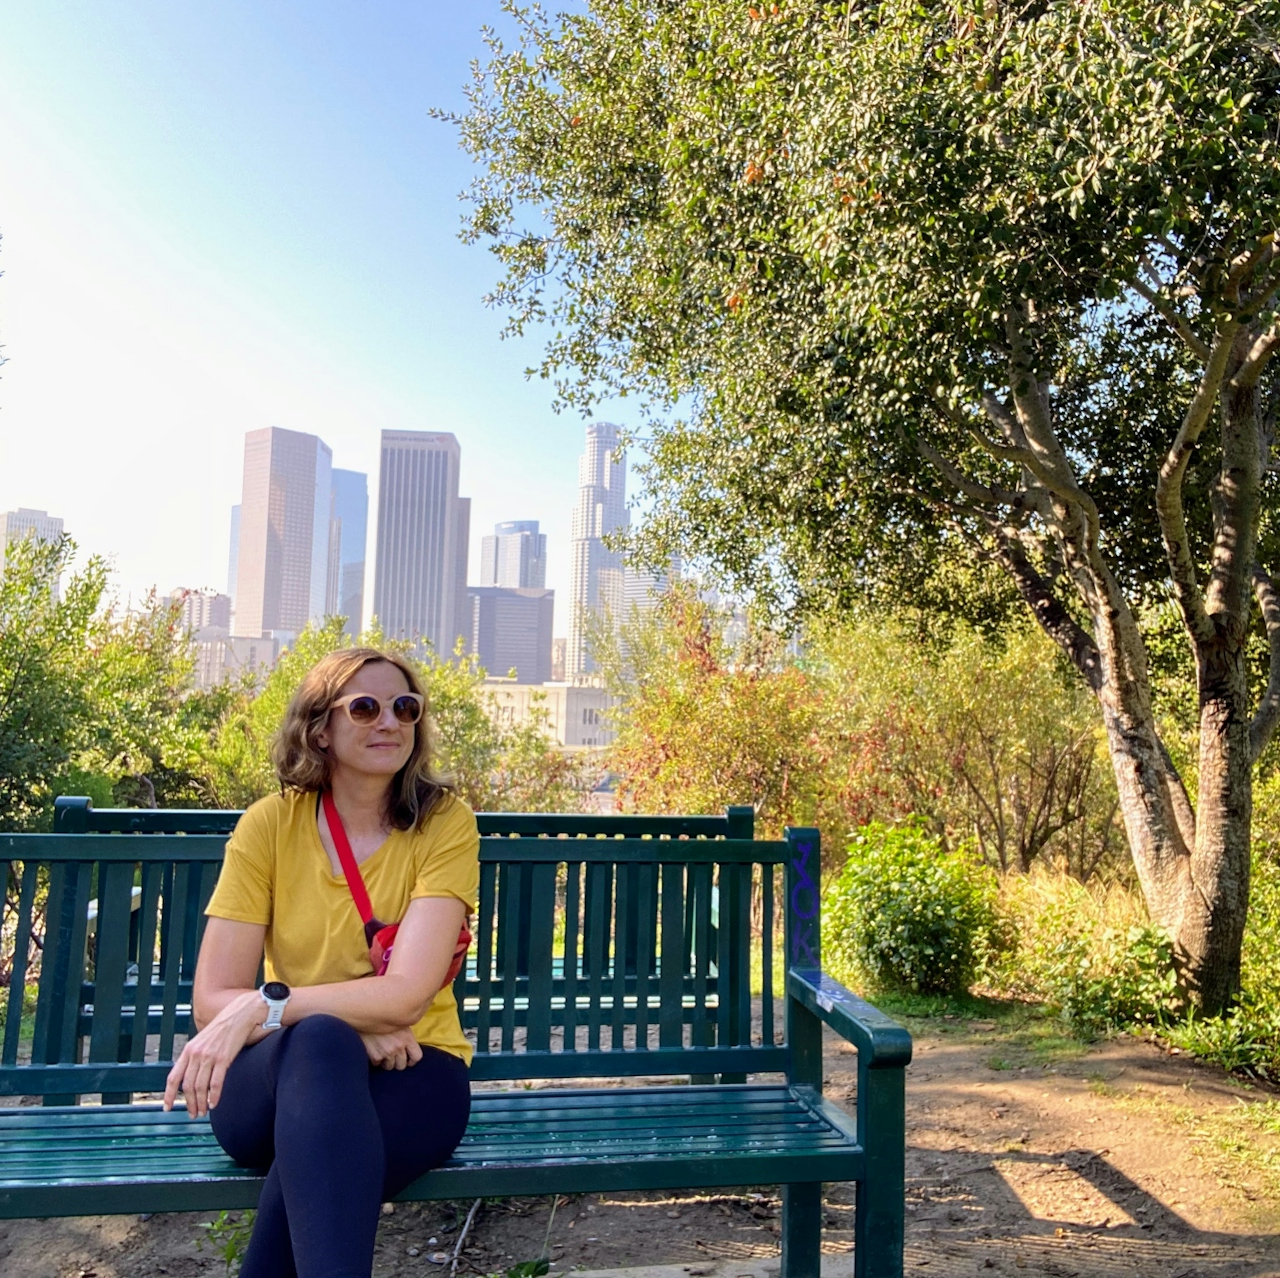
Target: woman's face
{"points": [[377, 749]]}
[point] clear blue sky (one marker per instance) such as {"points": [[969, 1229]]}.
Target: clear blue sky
{"points": [[234, 215]]}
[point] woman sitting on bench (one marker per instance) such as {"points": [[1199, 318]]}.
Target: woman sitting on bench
{"points": [[347, 1088]]}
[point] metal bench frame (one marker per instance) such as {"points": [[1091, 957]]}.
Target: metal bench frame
{"points": [[579, 919]]}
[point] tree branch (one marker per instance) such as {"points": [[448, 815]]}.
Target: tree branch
{"points": [[1015, 450], [1244, 264], [1257, 358], [1004, 419], [1053, 618], [1173, 524], [1179, 322], [1002, 452], [1035, 421], [1267, 714], [989, 496], [1244, 271]]}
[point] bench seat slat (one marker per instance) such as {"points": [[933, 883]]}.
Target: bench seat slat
{"points": [[61, 1163], [95, 1159]]}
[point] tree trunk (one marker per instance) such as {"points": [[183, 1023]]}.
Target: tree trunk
{"points": [[1194, 865], [1194, 868], [1211, 931]]}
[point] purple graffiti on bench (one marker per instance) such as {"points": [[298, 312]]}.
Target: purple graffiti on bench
{"points": [[804, 910]]}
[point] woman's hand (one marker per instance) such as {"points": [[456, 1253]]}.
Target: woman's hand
{"points": [[199, 1072], [396, 1050]]}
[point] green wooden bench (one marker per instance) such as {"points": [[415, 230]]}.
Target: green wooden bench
{"points": [[606, 947]]}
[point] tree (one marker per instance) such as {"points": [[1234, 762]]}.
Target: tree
{"points": [[909, 266], [44, 704], [981, 741], [703, 723], [92, 699]]}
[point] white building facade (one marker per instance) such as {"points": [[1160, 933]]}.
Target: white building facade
{"points": [[203, 609], [574, 715], [23, 523], [37, 524], [221, 657]]}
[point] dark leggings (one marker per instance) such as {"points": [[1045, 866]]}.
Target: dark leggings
{"points": [[339, 1137]]}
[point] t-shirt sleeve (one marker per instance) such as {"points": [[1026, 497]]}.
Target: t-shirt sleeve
{"points": [[243, 891], [450, 858]]}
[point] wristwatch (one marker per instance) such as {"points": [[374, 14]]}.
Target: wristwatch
{"points": [[275, 994]]}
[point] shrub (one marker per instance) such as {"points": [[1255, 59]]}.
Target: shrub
{"points": [[904, 913], [978, 739], [1089, 950], [1247, 1039]]}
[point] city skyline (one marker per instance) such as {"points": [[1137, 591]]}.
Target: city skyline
{"points": [[173, 192], [514, 557]]}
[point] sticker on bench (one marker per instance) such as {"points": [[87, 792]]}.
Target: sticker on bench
{"points": [[825, 1001]]}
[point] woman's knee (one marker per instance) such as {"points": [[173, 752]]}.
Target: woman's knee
{"points": [[325, 1038]]}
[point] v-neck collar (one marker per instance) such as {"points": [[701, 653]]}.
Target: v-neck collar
{"points": [[324, 852]]}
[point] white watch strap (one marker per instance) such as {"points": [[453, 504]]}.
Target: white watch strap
{"points": [[275, 1012]]}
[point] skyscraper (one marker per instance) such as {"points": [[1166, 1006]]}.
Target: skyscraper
{"points": [[419, 590], [597, 569], [511, 630], [515, 556], [282, 565], [351, 515], [641, 589], [462, 546]]}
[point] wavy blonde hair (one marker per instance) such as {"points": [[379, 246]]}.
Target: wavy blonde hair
{"points": [[303, 766]]}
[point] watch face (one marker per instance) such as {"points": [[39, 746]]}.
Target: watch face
{"points": [[275, 990]]}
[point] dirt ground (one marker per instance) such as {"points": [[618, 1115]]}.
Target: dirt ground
{"points": [[1025, 1156]]}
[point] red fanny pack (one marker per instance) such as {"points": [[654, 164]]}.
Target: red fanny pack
{"points": [[379, 937]]}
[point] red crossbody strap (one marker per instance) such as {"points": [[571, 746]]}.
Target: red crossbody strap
{"points": [[349, 867]]}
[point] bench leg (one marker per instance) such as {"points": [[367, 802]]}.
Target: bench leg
{"points": [[801, 1230], [880, 1211]]}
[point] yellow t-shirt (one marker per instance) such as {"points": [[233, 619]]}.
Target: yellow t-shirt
{"points": [[276, 872]]}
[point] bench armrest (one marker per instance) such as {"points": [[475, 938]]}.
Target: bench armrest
{"points": [[881, 1042]]}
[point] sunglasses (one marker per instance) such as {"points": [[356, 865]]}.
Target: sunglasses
{"points": [[365, 710]]}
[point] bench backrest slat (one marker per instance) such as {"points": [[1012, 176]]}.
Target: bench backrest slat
{"points": [[542, 899], [16, 1004], [767, 928], [153, 881], [61, 962], [111, 957]]}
